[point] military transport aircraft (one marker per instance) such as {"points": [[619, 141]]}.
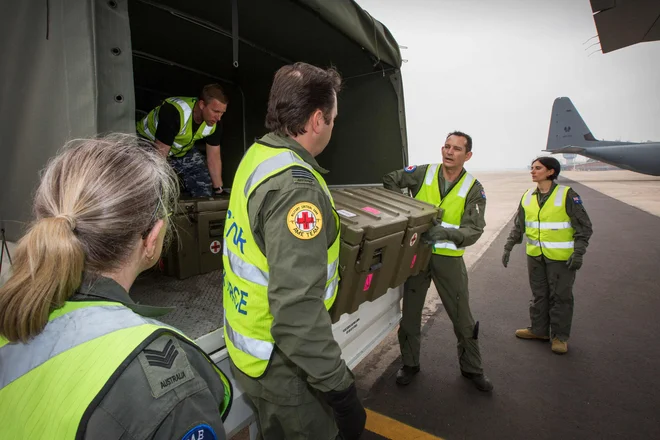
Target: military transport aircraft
{"points": [[569, 134]]}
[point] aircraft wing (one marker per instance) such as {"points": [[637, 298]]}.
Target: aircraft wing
{"points": [[624, 23]]}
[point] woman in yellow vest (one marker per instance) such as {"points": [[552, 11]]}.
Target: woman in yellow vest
{"points": [[78, 358], [558, 230]]}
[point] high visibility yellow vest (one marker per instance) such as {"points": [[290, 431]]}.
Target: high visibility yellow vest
{"points": [[548, 229], [453, 205], [247, 314], [49, 385], [185, 139]]}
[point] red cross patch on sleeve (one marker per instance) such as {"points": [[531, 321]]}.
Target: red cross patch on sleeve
{"points": [[305, 221]]}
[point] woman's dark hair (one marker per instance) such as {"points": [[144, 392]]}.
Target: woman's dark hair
{"points": [[550, 163]]}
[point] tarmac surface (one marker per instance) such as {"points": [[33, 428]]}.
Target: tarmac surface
{"points": [[635, 189], [605, 387]]}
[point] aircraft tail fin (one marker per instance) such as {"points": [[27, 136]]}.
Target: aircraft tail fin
{"points": [[567, 128]]}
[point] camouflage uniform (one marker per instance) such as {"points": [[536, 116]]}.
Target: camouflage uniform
{"points": [[449, 275], [184, 407], [306, 364], [193, 173], [551, 306]]}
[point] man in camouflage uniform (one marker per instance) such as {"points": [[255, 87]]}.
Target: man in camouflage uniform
{"points": [[177, 125], [281, 257], [194, 175], [463, 201]]}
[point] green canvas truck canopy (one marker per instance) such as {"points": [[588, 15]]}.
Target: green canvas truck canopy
{"points": [[76, 68]]}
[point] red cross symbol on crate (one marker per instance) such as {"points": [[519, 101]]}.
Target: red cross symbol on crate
{"points": [[215, 246]]}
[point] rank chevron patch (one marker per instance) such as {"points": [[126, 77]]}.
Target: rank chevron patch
{"points": [[163, 358], [166, 366]]}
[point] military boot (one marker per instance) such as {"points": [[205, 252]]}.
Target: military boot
{"points": [[479, 380], [525, 333], [559, 347], [406, 374]]}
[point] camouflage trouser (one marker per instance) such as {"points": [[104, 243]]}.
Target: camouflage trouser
{"points": [[300, 414], [194, 173], [449, 275], [551, 309]]}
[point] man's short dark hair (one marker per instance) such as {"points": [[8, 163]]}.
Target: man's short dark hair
{"points": [[298, 91], [468, 145], [550, 163], [213, 91]]}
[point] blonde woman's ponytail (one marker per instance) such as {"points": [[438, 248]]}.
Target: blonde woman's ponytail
{"points": [[95, 200], [48, 266]]}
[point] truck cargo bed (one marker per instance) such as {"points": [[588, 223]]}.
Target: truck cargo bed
{"points": [[198, 300]]}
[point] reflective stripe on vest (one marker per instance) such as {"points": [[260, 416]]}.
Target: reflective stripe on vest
{"points": [[551, 245], [548, 225], [548, 229], [187, 110], [252, 273], [446, 244], [254, 347], [245, 291], [185, 139], [59, 336], [207, 130], [54, 379], [147, 132], [558, 200], [453, 205], [430, 174], [266, 169]]}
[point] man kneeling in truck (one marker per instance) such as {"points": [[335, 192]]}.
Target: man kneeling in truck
{"points": [[175, 126]]}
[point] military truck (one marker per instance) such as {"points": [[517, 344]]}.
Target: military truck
{"points": [[76, 68]]}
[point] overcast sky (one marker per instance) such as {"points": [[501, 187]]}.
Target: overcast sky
{"points": [[493, 69]]}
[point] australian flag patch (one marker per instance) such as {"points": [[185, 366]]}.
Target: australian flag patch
{"points": [[577, 200]]}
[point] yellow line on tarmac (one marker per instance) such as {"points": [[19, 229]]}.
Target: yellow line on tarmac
{"points": [[393, 429]]}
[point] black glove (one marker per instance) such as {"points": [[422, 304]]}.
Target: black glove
{"points": [[350, 415], [574, 262], [436, 233], [505, 257]]}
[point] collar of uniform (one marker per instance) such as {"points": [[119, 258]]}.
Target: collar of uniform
{"points": [[552, 188], [100, 288], [276, 141], [441, 177]]}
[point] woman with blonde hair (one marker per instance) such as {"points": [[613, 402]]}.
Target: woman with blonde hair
{"points": [[78, 358]]}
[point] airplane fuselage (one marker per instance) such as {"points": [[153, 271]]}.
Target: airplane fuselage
{"points": [[641, 158]]}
